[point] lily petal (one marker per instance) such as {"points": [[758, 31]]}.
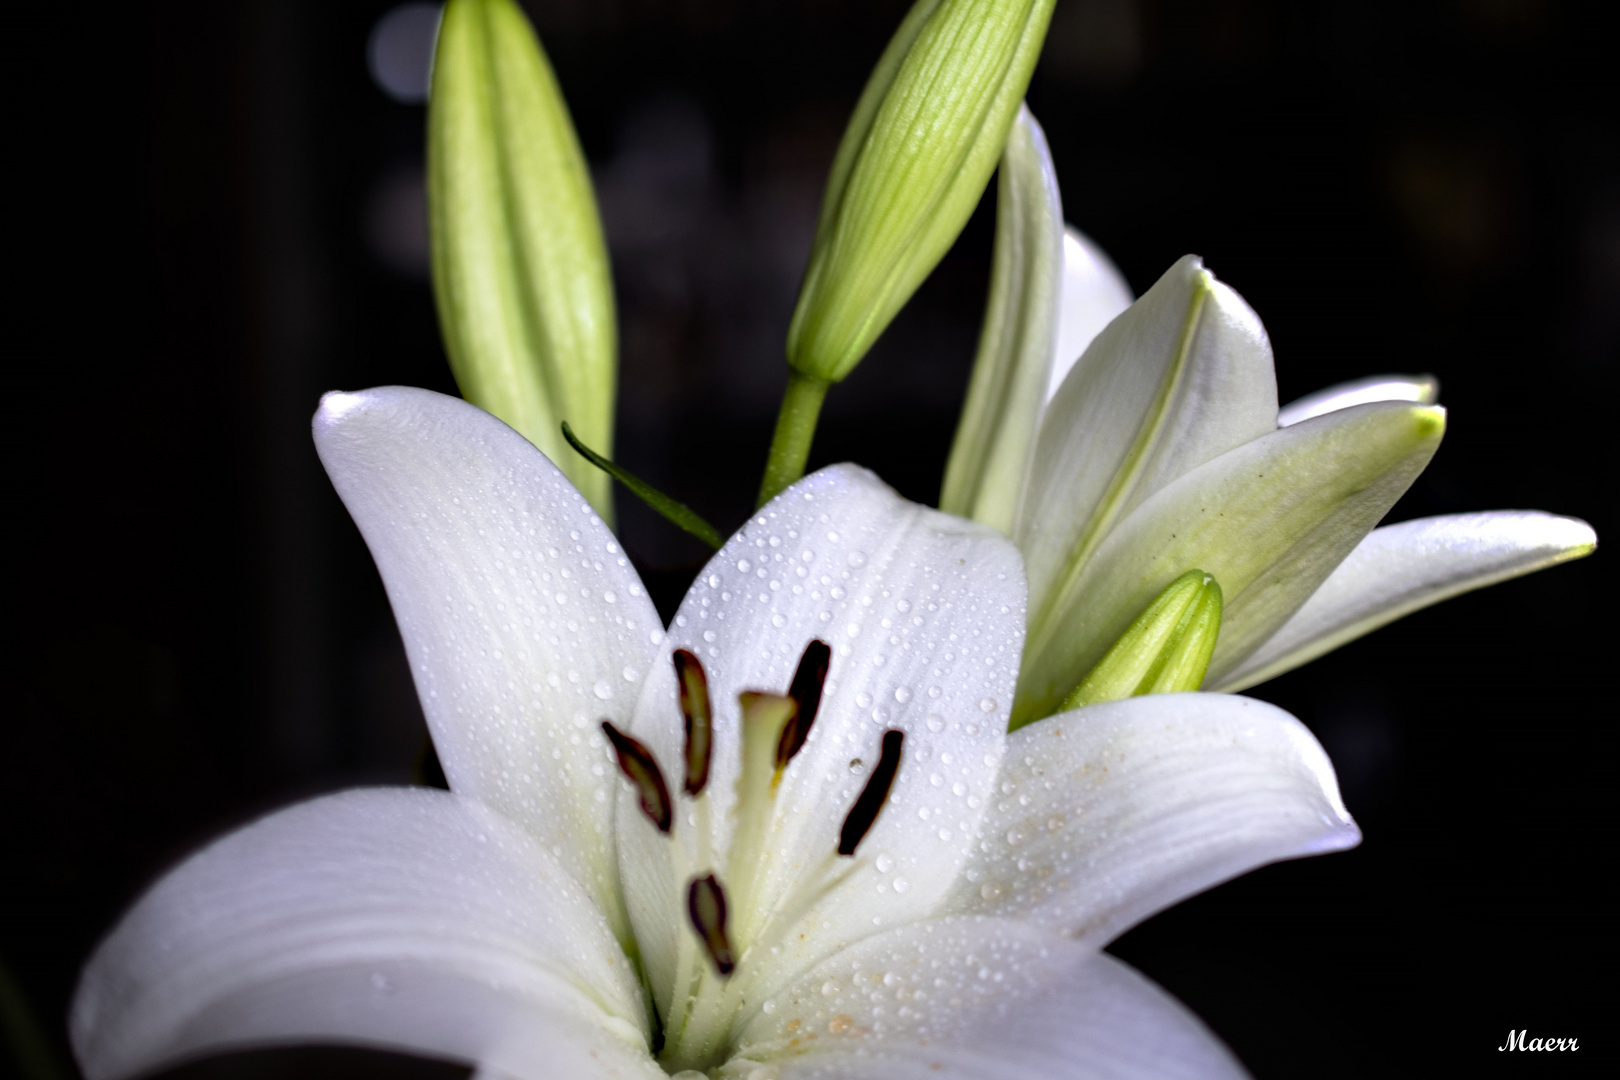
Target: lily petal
{"points": [[924, 613], [1403, 568], [1419, 389], [994, 440], [1094, 294], [1108, 814], [1180, 378], [1269, 521], [524, 622], [401, 918], [976, 997]]}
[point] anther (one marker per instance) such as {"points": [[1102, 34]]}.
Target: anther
{"points": [[863, 815], [806, 693], [694, 688], [637, 763], [706, 903]]}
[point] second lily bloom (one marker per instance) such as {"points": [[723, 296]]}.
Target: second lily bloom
{"points": [[1162, 449]]}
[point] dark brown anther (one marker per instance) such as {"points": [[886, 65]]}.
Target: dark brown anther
{"points": [[637, 763], [806, 693], [694, 687], [865, 811], [706, 903]]}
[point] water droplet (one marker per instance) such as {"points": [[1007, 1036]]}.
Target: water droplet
{"points": [[778, 621], [903, 606], [744, 565], [709, 636], [990, 890], [769, 1006], [629, 673], [1014, 837], [935, 722], [987, 704], [856, 765], [944, 834], [602, 689], [857, 558], [890, 979], [863, 699], [829, 988], [902, 694], [884, 863], [901, 884]]}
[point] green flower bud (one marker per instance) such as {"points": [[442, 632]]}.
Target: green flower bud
{"points": [[1165, 651], [520, 269], [920, 147]]}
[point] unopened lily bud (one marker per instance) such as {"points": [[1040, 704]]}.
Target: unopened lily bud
{"points": [[1165, 651], [520, 269], [920, 147]]}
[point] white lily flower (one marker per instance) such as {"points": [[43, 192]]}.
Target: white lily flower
{"points": [[1163, 450], [539, 921]]}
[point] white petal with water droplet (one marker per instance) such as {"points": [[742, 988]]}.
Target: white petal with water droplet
{"points": [[1108, 814], [979, 998], [915, 601], [404, 918], [497, 570]]}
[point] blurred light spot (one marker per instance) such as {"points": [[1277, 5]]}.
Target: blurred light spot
{"points": [[394, 220], [400, 52]]}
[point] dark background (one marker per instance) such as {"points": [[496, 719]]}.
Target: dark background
{"points": [[217, 218]]}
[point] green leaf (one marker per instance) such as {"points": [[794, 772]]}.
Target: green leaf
{"points": [[677, 513], [996, 436], [920, 147], [520, 269]]}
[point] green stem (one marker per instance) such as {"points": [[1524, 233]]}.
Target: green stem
{"points": [[795, 428]]}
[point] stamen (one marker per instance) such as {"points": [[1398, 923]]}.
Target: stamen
{"points": [[694, 687], [865, 811], [706, 903], [806, 693], [637, 763]]}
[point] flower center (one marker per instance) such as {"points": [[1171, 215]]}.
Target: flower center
{"points": [[730, 923]]}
